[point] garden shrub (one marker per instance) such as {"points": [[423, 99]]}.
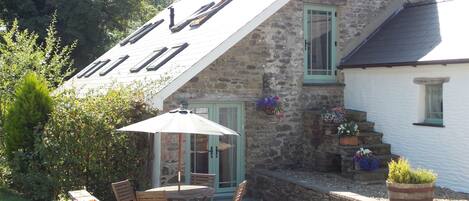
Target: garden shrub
{"points": [[24, 123], [27, 115], [83, 149], [401, 172]]}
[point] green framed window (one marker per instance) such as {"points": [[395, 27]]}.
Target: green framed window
{"points": [[434, 103], [320, 43]]}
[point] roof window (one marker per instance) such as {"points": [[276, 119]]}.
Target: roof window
{"points": [[113, 65], [88, 68], [151, 57], [96, 68], [200, 16], [205, 16], [133, 38], [167, 56]]}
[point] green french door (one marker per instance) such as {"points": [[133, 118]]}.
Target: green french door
{"points": [[220, 155]]}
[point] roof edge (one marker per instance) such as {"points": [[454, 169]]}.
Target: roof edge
{"points": [[402, 64]]}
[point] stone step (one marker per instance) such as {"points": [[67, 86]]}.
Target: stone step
{"points": [[377, 149], [366, 126], [348, 165], [365, 138], [371, 176], [355, 115]]}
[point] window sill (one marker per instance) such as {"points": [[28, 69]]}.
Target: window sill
{"points": [[429, 125], [325, 84]]}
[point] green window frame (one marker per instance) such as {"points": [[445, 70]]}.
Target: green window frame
{"points": [[434, 104], [319, 44]]}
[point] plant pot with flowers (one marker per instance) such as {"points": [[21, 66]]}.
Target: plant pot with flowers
{"points": [[271, 105], [347, 133], [331, 119], [406, 183], [365, 160]]}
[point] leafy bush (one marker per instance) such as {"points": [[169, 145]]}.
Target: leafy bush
{"points": [[27, 115], [21, 52], [24, 123], [402, 172], [82, 147]]}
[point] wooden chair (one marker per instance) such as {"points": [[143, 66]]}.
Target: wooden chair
{"points": [[151, 196], [124, 191], [203, 179], [240, 191]]}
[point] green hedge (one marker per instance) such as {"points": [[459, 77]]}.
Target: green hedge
{"points": [[81, 145]]}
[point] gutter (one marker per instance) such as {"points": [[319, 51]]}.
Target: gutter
{"points": [[403, 64]]}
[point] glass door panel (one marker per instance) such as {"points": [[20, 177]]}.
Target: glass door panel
{"points": [[222, 156], [199, 147], [319, 34], [227, 148]]}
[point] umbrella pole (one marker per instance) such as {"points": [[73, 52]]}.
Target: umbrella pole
{"points": [[179, 163]]}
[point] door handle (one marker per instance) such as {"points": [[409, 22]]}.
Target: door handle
{"points": [[216, 152], [211, 152]]}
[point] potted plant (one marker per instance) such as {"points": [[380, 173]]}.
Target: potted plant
{"points": [[347, 133], [365, 160], [271, 105], [335, 115], [405, 183]]}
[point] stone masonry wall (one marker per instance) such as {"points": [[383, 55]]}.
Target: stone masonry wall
{"points": [[268, 61]]}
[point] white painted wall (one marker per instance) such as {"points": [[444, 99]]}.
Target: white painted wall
{"points": [[393, 102]]}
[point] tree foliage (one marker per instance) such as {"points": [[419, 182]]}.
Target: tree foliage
{"points": [[24, 122], [27, 115], [95, 24], [21, 52], [82, 147]]}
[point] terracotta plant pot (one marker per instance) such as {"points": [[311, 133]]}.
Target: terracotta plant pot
{"points": [[348, 140], [420, 192]]}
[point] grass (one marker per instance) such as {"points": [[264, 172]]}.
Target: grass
{"points": [[8, 195]]}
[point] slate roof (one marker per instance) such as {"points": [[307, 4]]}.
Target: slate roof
{"points": [[205, 44], [430, 33]]}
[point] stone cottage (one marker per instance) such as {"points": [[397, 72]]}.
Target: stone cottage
{"points": [[220, 56]]}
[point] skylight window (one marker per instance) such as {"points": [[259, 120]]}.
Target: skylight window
{"points": [[87, 69], [151, 57], [200, 16], [96, 68], [113, 65], [126, 40], [141, 33], [205, 16], [164, 58]]}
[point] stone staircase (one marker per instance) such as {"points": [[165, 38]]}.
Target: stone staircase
{"points": [[368, 139]]}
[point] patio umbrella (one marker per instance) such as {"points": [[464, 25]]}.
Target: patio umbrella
{"points": [[179, 121]]}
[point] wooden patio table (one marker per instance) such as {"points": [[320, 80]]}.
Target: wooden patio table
{"points": [[187, 192]]}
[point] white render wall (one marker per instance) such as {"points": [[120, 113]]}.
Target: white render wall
{"points": [[394, 103]]}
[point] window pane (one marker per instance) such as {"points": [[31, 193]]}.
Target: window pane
{"points": [[434, 102], [166, 56], [319, 42], [155, 54], [113, 65]]}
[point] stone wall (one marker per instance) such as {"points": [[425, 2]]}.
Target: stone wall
{"points": [[269, 61], [272, 186]]}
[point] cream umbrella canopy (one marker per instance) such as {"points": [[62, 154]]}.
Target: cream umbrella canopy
{"points": [[179, 121]]}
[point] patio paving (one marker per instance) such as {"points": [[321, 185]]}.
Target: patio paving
{"points": [[328, 186]]}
